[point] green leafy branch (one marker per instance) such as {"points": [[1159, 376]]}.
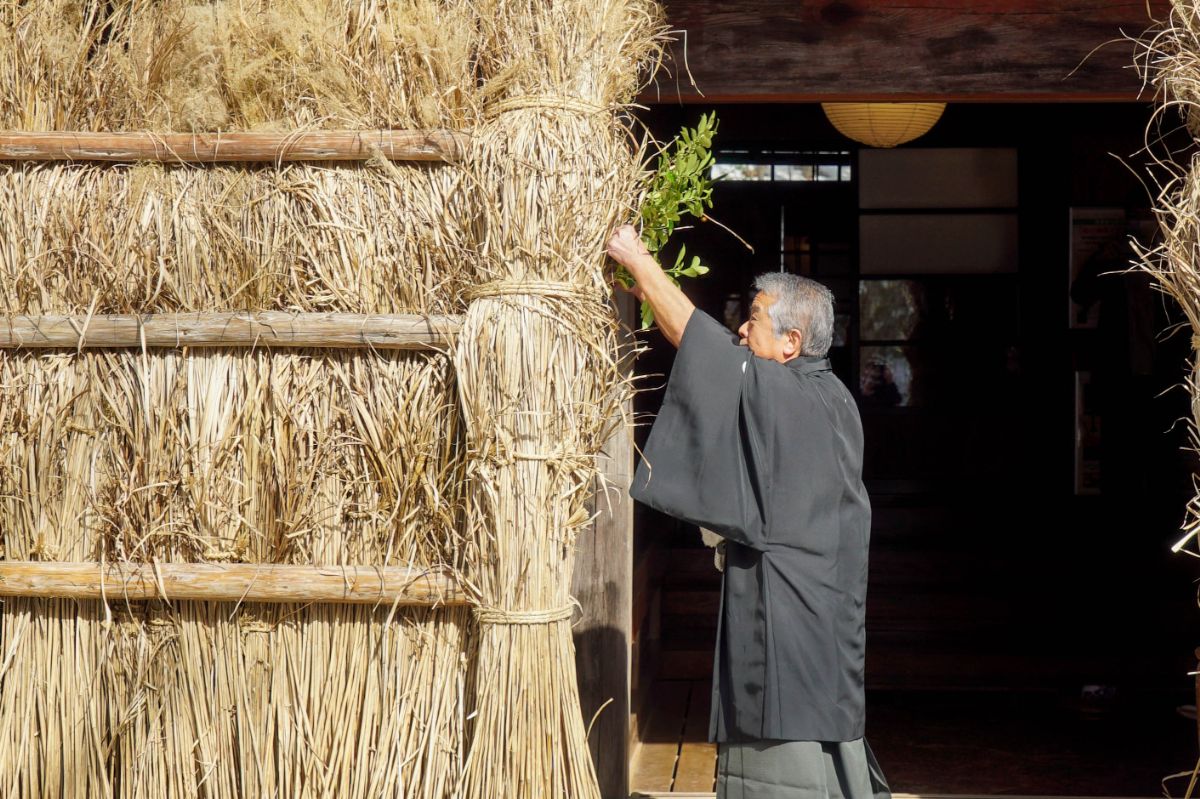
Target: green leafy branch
{"points": [[681, 185]]}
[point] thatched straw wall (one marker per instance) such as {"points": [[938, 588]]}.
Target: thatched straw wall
{"points": [[480, 460], [320, 457]]}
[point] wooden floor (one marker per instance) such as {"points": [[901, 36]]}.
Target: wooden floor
{"points": [[955, 745], [675, 756]]}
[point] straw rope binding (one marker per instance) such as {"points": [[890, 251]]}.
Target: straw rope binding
{"points": [[543, 103], [500, 616], [533, 288]]}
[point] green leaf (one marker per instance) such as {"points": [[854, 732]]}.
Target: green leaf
{"points": [[681, 185], [647, 315]]}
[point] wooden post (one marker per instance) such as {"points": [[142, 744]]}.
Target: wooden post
{"points": [[231, 582], [267, 328], [603, 584], [209, 148]]}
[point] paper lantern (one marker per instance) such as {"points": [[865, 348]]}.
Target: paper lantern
{"points": [[883, 124]]}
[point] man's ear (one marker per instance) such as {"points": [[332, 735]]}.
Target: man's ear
{"points": [[794, 342]]}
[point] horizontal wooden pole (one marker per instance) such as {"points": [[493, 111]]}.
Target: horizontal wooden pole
{"points": [[238, 329], [231, 582], [208, 148]]}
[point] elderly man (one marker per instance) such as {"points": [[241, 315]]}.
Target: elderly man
{"points": [[761, 443]]}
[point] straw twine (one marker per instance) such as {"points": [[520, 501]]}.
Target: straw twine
{"points": [[533, 288], [550, 290], [542, 102], [501, 616]]}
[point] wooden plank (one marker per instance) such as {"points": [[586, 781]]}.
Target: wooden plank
{"points": [[263, 329], [231, 582], [603, 584], [697, 769], [656, 755], [845, 50], [208, 148], [647, 653], [646, 574]]}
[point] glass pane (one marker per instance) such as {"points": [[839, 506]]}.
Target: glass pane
{"points": [[793, 172], [888, 377], [845, 172], [890, 310], [827, 172], [793, 242], [841, 329], [798, 263], [731, 170], [731, 312]]}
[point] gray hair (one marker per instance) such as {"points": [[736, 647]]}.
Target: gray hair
{"points": [[800, 304]]}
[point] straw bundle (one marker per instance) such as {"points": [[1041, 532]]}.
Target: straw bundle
{"points": [[223, 455], [183, 65], [1169, 59], [258, 457], [537, 363], [481, 460]]}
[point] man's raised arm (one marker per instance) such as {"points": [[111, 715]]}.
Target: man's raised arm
{"points": [[672, 308]]}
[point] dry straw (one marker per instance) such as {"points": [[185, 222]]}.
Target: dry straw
{"points": [[224, 455], [537, 362], [482, 461], [1168, 60]]}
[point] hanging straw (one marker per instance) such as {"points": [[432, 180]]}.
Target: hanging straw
{"points": [[554, 171]]}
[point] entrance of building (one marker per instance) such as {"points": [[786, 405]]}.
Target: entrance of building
{"points": [[1028, 630]]}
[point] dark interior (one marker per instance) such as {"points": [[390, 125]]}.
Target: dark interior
{"points": [[1029, 630]]}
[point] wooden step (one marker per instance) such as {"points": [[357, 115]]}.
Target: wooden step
{"points": [[654, 758], [675, 758], [697, 766]]}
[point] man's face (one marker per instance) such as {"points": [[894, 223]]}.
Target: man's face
{"points": [[758, 333]]}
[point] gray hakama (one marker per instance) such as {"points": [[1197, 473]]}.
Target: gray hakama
{"points": [[769, 456], [800, 770]]}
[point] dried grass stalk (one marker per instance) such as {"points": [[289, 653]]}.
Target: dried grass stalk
{"points": [[1169, 60], [316, 457], [313, 457], [179, 65], [149, 238], [537, 362], [218, 455]]}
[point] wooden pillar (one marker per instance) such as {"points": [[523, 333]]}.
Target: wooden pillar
{"points": [[603, 584]]}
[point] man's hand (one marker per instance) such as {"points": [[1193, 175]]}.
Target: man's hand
{"points": [[627, 248], [671, 308]]}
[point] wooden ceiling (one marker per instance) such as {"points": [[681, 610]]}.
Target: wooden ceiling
{"points": [[829, 50]]}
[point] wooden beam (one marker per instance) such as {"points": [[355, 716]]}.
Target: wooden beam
{"points": [[603, 584], [208, 148], [230, 582], [864, 50], [264, 329]]}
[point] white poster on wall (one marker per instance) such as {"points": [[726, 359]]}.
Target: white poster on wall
{"points": [[1091, 229]]}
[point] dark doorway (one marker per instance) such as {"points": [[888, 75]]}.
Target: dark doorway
{"points": [[1029, 631]]}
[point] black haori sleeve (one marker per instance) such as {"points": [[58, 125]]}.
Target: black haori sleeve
{"points": [[701, 463]]}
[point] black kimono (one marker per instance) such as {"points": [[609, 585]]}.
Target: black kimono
{"points": [[769, 455]]}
